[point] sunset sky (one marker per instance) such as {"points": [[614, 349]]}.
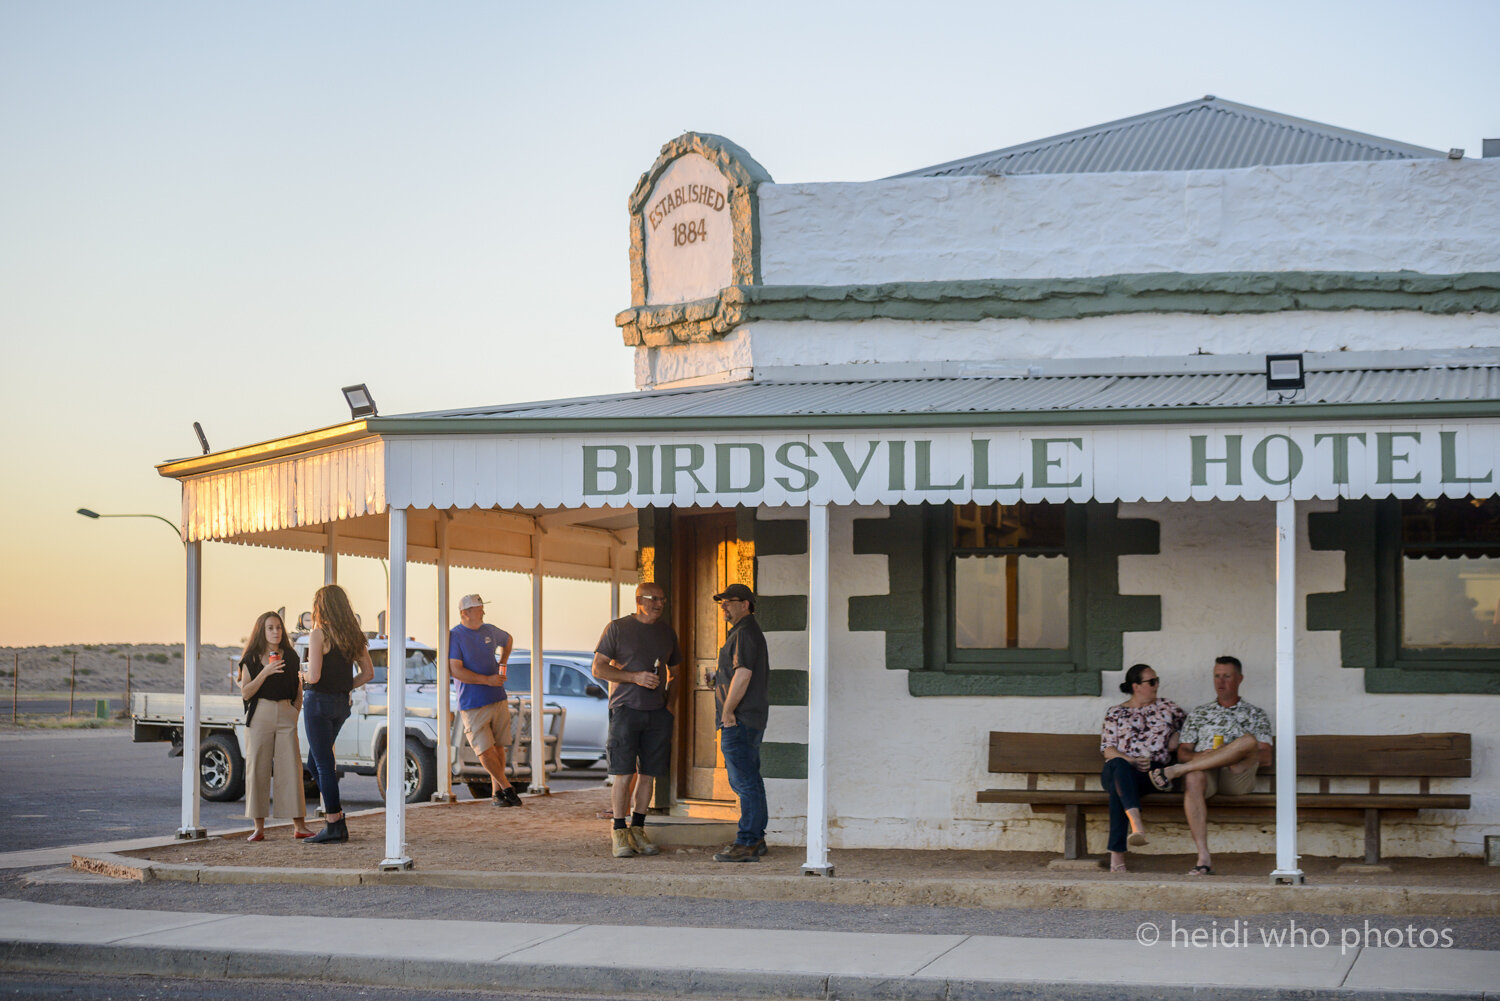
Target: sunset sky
{"points": [[223, 212]]}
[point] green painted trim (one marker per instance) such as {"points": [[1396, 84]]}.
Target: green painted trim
{"points": [[910, 541], [788, 688], [1367, 612], [901, 612], [742, 173], [1351, 529], [794, 423], [782, 760], [781, 613], [781, 537], [1062, 299]]}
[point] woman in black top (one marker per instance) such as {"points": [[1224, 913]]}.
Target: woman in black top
{"points": [[334, 648], [272, 691]]}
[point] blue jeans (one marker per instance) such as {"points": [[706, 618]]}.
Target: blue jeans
{"points": [[1125, 785], [323, 715], [741, 747]]}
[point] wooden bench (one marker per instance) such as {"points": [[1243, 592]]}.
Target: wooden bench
{"points": [[1420, 756]]}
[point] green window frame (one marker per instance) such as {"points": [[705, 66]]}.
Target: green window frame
{"points": [[944, 653], [1426, 669]]}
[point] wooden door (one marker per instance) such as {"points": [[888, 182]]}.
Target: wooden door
{"points": [[706, 554]]}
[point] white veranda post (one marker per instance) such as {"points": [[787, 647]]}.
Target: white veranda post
{"points": [[538, 672], [191, 828], [1286, 694], [330, 555], [395, 743], [817, 702], [444, 793]]}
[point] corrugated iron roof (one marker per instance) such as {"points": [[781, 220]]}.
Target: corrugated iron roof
{"points": [[1207, 134], [1173, 393]]}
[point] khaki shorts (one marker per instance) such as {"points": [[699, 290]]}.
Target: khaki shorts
{"points": [[1230, 782], [488, 726]]}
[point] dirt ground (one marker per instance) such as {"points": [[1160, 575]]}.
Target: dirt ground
{"points": [[562, 833], [154, 667]]}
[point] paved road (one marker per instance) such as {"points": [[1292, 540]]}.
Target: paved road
{"points": [[42, 986], [77, 786]]}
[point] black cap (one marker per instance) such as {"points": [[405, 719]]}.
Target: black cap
{"points": [[738, 592]]}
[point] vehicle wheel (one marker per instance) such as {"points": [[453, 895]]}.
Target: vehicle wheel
{"points": [[480, 788], [421, 772], [221, 770]]}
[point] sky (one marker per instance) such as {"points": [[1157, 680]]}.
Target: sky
{"points": [[225, 212]]}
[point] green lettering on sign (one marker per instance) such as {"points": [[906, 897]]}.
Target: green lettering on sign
{"points": [[982, 469], [924, 470], [1450, 461], [852, 476], [896, 474], [784, 458], [1340, 441], [1042, 462], [645, 469], [724, 467], [1293, 459], [671, 466], [619, 469], [1386, 456], [1231, 460]]}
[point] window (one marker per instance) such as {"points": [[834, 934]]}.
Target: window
{"points": [[1449, 578], [421, 667], [1005, 587], [1010, 577]]}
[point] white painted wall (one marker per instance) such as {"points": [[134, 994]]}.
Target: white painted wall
{"points": [[1216, 576], [757, 346], [1437, 216]]}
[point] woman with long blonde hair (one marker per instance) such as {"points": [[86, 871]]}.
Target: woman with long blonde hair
{"points": [[338, 661]]}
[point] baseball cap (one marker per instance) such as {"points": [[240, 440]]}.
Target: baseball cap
{"points": [[469, 601], [737, 592]]}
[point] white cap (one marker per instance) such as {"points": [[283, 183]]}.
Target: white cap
{"points": [[469, 601]]}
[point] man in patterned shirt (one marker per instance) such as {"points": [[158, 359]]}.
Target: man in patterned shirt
{"points": [[1222, 745]]}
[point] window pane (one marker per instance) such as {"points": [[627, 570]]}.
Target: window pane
{"points": [[1009, 526], [517, 677], [1010, 601], [1451, 522], [1450, 602]]}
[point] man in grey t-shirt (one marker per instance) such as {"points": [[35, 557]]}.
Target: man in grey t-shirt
{"points": [[635, 655]]}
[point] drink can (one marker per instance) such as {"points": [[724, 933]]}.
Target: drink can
{"points": [[1218, 741]]}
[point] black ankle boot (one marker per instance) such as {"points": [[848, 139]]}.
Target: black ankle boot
{"points": [[334, 830]]}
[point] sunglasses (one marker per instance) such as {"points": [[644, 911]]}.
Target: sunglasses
{"points": [[651, 599], [1153, 682]]}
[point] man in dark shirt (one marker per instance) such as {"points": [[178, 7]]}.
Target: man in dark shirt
{"points": [[741, 707], [634, 656]]}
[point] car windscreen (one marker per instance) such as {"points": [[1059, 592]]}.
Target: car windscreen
{"points": [[421, 667]]}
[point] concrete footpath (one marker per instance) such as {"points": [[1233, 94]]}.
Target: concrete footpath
{"points": [[731, 963]]}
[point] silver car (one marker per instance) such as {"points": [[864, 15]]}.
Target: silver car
{"points": [[569, 683]]}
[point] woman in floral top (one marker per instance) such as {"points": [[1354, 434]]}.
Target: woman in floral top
{"points": [[1139, 734]]}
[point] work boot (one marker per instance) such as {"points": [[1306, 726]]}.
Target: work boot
{"points": [[502, 800], [640, 842], [512, 798], [760, 847], [737, 853], [620, 838], [333, 832]]}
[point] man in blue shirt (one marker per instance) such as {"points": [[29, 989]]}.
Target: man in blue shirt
{"points": [[477, 657]]}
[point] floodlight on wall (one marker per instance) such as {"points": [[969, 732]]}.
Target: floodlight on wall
{"points": [[1284, 372], [1456, 153], [361, 403]]}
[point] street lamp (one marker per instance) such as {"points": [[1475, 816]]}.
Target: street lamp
{"points": [[94, 514]]}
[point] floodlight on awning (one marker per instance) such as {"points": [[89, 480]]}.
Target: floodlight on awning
{"points": [[1284, 372], [361, 403]]}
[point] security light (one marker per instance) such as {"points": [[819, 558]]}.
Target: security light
{"points": [[1284, 372], [202, 438], [1456, 153], [361, 403]]}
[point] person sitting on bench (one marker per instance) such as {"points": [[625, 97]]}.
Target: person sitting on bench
{"points": [[1235, 740], [1137, 734]]}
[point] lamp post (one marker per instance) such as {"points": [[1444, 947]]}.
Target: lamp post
{"points": [[94, 514], [192, 827]]}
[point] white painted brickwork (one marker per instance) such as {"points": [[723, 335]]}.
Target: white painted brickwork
{"points": [[1435, 216], [904, 770]]}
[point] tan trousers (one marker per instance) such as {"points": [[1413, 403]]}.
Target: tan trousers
{"points": [[273, 753]]}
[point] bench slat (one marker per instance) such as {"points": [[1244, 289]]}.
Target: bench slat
{"points": [[1257, 800]]}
